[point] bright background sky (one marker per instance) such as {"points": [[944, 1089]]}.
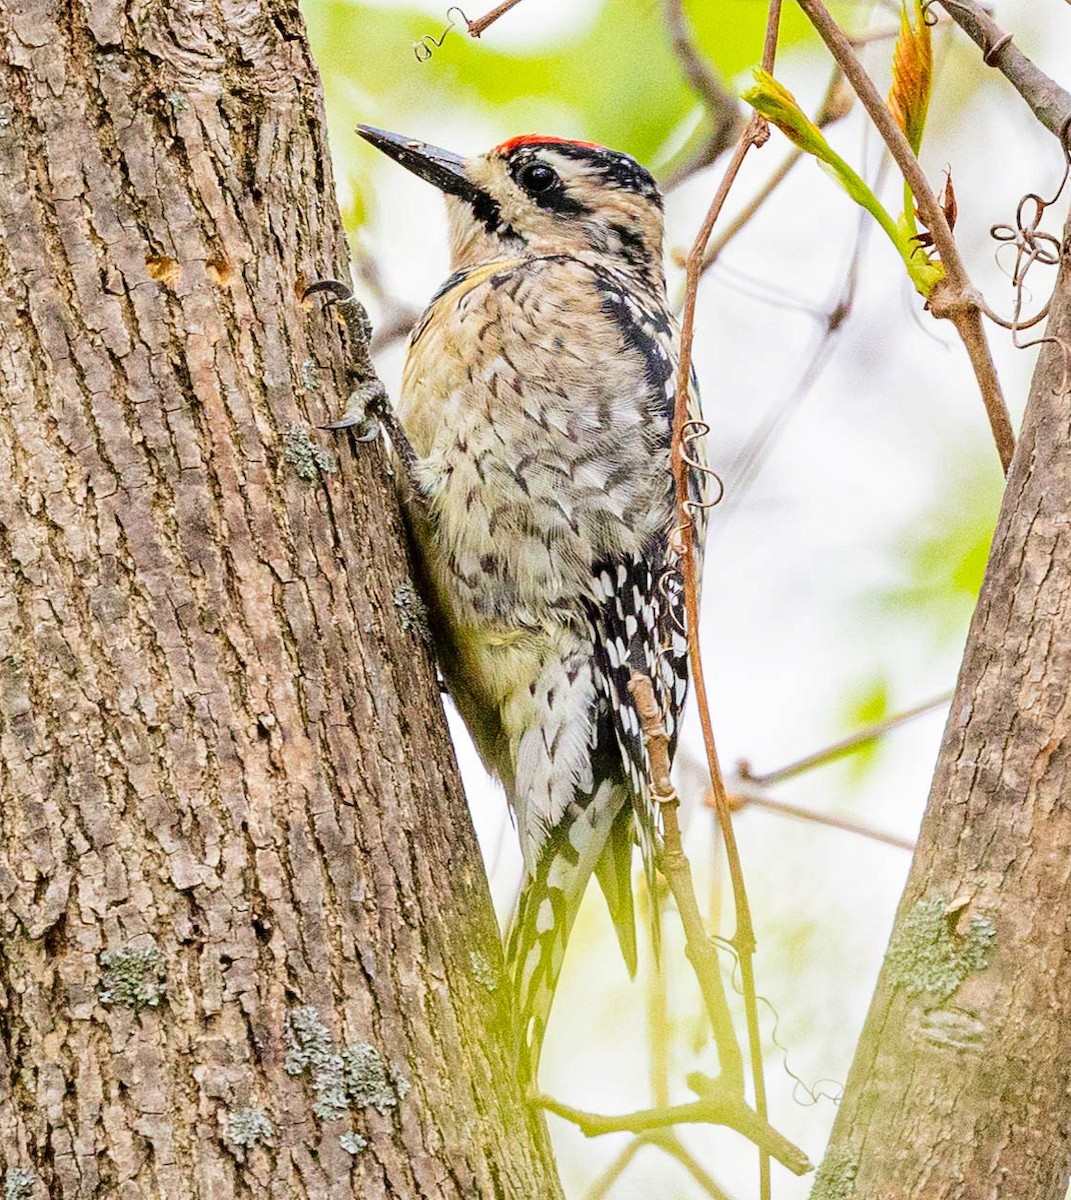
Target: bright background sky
{"points": [[840, 574]]}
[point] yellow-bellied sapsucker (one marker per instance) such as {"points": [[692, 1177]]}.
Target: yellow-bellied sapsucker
{"points": [[538, 400]]}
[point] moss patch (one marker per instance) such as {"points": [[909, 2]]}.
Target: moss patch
{"points": [[928, 957], [835, 1178], [248, 1126], [132, 978], [411, 611], [482, 969], [352, 1143], [305, 456], [358, 1076], [19, 1183]]}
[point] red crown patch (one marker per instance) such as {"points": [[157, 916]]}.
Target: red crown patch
{"points": [[526, 139]]}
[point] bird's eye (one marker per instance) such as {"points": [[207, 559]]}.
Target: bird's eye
{"points": [[537, 178]]}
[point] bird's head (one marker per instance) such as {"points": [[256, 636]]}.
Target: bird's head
{"points": [[540, 195]]}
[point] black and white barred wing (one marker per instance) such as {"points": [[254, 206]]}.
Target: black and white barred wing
{"points": [[640, 625]]}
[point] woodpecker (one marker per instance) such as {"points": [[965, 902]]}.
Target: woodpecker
{"points": [[537, 401]]}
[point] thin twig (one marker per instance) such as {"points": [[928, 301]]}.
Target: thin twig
{"points": [[743, 795], [749, 790], [477, 27], [845, 745], [711, 1109], [952, 297], [1048, 101], [755, 134], [677, 871]]}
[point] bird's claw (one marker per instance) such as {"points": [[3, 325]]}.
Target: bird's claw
{"points": [[367, 428], [337, 291], [366, 405]]}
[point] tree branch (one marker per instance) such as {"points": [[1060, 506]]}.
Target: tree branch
{"points": [[1048, 101], [677, 871], [962, 1075], [953, 297], [724, 1095], [713, 1108]]}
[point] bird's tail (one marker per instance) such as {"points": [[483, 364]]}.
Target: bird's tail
{"points": [[595, 835]]}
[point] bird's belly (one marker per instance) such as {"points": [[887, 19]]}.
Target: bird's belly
{"points": [[521, 523]]}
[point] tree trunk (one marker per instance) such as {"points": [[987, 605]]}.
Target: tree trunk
{"points": [[247, 945], [961, 1085]]}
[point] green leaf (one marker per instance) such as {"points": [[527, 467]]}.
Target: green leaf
{"points": [[777, 104]]}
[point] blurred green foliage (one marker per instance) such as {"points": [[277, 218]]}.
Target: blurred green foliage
{"points": [[615, 80], [942, 556], [866, 706]]}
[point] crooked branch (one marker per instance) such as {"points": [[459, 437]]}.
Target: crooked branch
{"points": [[756, 133], [676, 869], [1048, 101], [721, 105], [710, 1109], [722, 1099]]}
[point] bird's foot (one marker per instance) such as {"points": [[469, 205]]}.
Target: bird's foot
{"points": [[367, 405]]}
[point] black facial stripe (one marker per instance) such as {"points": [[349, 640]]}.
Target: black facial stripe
{"points": [[617, 169], [487, 209], [558, 200]]}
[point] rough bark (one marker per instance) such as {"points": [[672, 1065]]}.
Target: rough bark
{"points": [[961, 1085], [241, 905]]}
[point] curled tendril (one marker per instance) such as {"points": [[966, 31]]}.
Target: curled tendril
{"points": [[691, 433], [429, 43], [805, 1094], [1033, 245]]}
